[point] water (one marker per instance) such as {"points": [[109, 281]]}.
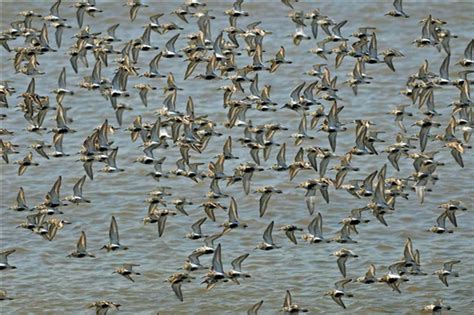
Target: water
{"points": [[46, 282]]}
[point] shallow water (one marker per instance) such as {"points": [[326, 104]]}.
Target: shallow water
{"points": [[46, 282]]}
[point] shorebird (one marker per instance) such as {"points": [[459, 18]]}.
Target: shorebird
{"points": [[289, 307], [343, 255], [134, 6], [144, 89], [280, 164], [196, 230], [315, 228], [343, 235], [216, 273], [114, 241], [278, 60], [4, 259], [289, 230], [102, 307], [254, 308], [192, 263], [389, 54], [176, 280], [468, 60], [81, 250], [210, 206], [267, 243], [450, 209], [266, 192], [61, 91], [25, 162], [436, 307], [111, 164], [337, 293], [398, 12], [52, 198], [440, 226], [208, 248], [354, 219], [4, 296], [126, 271], [393, 278], [233, 220], [332, 125], [20, 204], [236, 272], [447, 271], [76, 197], [369, 276]]}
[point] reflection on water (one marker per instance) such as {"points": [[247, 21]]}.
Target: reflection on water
{"points": [[47, 282]]}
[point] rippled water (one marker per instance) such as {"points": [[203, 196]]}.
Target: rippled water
{"points": [[46, 282]]}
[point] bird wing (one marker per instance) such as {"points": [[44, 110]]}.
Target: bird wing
{"points": [[113, 232], [236, 263], [267, 235]]}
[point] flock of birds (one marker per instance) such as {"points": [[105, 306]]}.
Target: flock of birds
{"points": [[189, 133]]}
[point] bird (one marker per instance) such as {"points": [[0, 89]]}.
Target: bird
{"points": [[20, 204], [176, 280], [369, 276], [233, 220], [343, 236], [209, 207], [268, 243], [255, 308], [450, 209], [468, 60], [192, 263], [236, 272], [337, 293], [77, 198], [134, 6], [457, 148], [278, 60], [208, 248], [389, 54], [393, 278], [440, 226], [280, 164], [25, 162], [196, 230], [154, 67], [343, 255], [4, 296], [446, 271], [398, 12], [126, 271], [111, 164], [4, 259], [216, 273], [162, 216], [289, 307], [81, 250], [266, 192], [332, 125], [289, 230], [436, 307], [102, 307], [315, 229], [61, 91], [354, 219], [114, 241], [144, 89]]}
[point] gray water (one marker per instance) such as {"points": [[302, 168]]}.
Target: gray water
{"points": [[46, 282]]}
